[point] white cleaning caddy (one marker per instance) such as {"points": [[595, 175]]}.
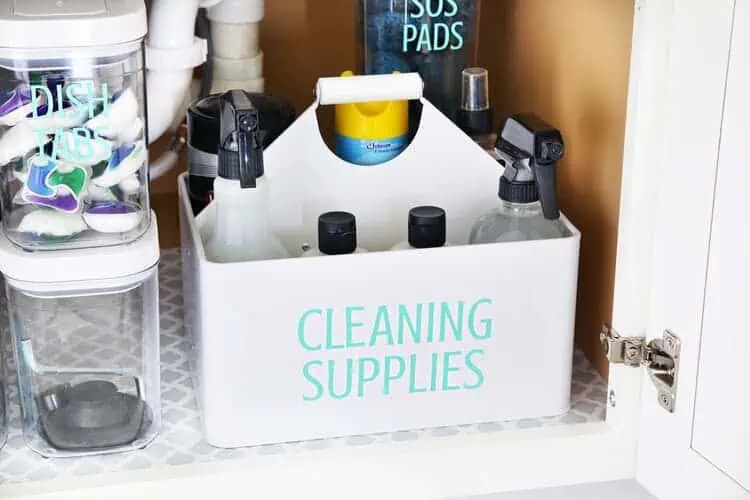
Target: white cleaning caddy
{"points": [[302, 349]]}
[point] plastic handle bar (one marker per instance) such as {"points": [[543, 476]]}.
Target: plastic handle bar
{"points": [[351, 89]]}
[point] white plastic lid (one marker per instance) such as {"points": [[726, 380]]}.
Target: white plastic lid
{"points": [[44, 24], [80, 265]]}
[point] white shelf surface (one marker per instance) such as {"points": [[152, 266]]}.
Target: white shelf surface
{"points": [[180, 451]]}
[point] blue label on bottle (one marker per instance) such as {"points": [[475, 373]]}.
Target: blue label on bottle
{"points": [[369, 152]]}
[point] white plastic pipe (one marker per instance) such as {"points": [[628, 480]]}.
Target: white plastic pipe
{"points": [[237, 59], [171, 59]]}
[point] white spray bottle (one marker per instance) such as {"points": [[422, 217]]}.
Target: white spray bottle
{"points": [[242, 231]]}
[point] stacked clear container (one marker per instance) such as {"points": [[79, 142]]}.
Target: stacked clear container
{"points": [[88, 363], [79, 244], [73, 152], [436, 38]]}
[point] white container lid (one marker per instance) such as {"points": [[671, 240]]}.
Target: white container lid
{"points": [[80, 265], [40, 24]]}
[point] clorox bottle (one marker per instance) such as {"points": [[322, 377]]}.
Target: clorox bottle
{"points": [[371, 133]]}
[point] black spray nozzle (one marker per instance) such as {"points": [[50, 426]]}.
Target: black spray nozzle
{"points": [[241, 144], [529, 149]]}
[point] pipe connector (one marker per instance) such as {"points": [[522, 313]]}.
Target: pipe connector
{"points": [[177, 59], [237, 12]]}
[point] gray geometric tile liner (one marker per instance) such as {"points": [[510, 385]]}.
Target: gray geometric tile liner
{"points": [[180, 441]]}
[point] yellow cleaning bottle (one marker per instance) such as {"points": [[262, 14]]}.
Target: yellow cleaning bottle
{"points": [[371, 133]]}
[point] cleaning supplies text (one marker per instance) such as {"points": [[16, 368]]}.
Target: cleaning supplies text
{"points": [[426, 347]]}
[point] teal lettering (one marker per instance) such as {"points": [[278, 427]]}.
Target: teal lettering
{"points": [[435, 358], [365, 377], [424, 43], [434, 12], [404, 321], [430, 322], [448, 369], [307, 373], [83, 147], [330, 345], [35, 100], [92, 100], [392, 373], [413, 388], [101, 141], [351, 324], [472, 366], [332, 377], [419, 12], [382, 327], [457, 35], [441, 37], [454, 6], [301, 330], [410, 34], [486, 332], [60, 100], [77, 104], [446, 319], [57, 144], [41, 136]]}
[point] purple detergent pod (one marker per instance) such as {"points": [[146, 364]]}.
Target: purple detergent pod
{"points": [[65, 202], [17, 104], [125, 161], [112, 217], [52, 187]]}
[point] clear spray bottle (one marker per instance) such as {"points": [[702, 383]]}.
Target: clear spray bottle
{"points": [[242, 230], [529, 149]]}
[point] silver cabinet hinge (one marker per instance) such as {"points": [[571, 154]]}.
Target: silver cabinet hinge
{"points": [[660, 357]]}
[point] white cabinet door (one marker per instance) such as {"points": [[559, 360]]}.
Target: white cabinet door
{"points": [[701, 281]]}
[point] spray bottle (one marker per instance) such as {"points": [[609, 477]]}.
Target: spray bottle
{"points": [[529, 149], [241, 231]]}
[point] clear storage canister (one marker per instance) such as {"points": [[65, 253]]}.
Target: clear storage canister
{"points": [[73, 145], [437, 38], [85, 334]]}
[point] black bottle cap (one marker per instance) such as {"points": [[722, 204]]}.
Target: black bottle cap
{"points": [[427, 227], [518, 192], [475, 123], [337, 233]]}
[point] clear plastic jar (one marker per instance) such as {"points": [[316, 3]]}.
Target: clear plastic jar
{"points": [[88, 364], [73, 146], [84, 326], [437, 38]]}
